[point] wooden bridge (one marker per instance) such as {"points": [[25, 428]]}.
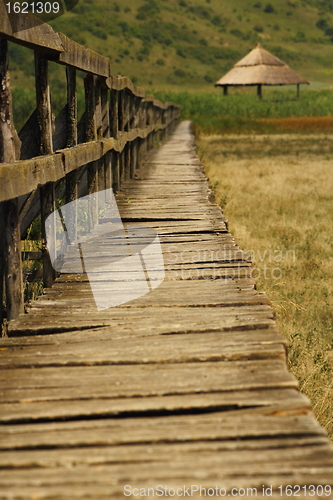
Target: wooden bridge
{"points": [[183, 391]]}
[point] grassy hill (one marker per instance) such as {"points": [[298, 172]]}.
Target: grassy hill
{"points": [[189, 44]]}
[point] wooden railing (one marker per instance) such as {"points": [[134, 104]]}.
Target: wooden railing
{"points": [[64, 158]]}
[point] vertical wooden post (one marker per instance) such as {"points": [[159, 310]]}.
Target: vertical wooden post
{"points": [[134, 158], [145, 124], [106, 161], [114, 118], [71, 178], [47, 193], [91, 135], [11, 267], [225, 89], [121, 111], [121, 128], [114, 126], [128, 110], [136, 142], [259, 91], [115, 171], [297, 91]]}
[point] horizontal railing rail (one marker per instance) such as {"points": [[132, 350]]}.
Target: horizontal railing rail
{"points": [[55, 160]]}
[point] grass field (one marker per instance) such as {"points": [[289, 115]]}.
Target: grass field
{"points": [[244, 112], [276, 191]]}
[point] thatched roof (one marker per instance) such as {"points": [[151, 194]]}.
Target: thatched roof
{"points": [[260, 67]]}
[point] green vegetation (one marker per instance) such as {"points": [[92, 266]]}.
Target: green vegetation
{"points": [[198, 37], [242, 112]]}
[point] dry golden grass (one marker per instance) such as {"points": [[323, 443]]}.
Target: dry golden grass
{"points": [[319, 124], [277, 192]]}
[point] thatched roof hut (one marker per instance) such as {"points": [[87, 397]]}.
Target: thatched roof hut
{"points": [[259, 68]]}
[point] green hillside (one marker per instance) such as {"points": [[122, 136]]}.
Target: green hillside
{"points": [[188, 44], [168, 43]]}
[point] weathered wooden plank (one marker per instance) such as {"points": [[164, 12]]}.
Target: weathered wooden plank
{"points": [[31, 411], [161, 452], [28, 30], [50, 383], [170, 293], [164, 320], [283, 457], [79, 57], [265, 422], [119, 83], [165, 349], [50, 168]]}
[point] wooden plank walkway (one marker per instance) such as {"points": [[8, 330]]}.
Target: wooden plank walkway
{"points": [[186, 385]]}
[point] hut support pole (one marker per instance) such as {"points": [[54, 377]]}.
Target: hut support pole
{"points": [[259, 91], [297, 91], [225, 89]]}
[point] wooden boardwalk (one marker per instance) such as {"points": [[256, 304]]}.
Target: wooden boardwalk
{"points": [[185, 386]]}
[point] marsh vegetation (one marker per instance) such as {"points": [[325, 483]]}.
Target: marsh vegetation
{"points": [[276, 190]]}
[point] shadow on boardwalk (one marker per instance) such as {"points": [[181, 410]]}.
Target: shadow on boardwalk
{"points": [[187, 385]]}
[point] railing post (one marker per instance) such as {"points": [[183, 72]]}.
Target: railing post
{"points": [[11, 266], [107, 166], [71, 178], [136, 142], [114, 120], [91, 135], [47, 193], [101, 128], [114, 125], [145, 124], [121, 128], [115, 160], [128, 103]]}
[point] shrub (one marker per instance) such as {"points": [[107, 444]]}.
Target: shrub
{"points": [[258, 29], [208, 78], [322, 24], [160, 62], [180, 73], [239, 34], [180, 53], [149, 9], [99, 33], [269, 9], [217, 20], [200, 11]]}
